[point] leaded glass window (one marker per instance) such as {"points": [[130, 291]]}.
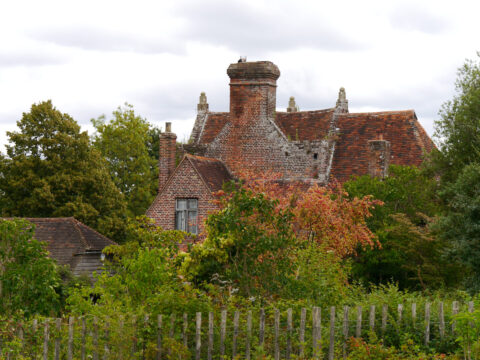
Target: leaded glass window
{"points": [[186, 215]]}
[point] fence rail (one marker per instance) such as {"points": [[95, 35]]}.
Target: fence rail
{"points": [[318, 333]]}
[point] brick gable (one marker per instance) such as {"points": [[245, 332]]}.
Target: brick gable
{"points": [[195, 177]]}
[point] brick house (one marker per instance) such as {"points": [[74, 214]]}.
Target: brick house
{"points": [[310, 146]]}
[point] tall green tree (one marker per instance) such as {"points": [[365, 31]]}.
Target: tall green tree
{"points": [[410, 253], [51, 169], [457, 162], [458, 130], [461, 224], [28, 277], [126, 142]]}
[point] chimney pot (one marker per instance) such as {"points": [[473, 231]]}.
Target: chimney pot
{"points": [[168, 127]]}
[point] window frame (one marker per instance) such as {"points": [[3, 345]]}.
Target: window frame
{"points": [[186, 209]]}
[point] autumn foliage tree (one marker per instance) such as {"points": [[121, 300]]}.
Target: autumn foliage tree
{"points": [[274, 239], [326, 215]]}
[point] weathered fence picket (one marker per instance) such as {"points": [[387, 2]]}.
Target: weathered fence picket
{"points": [[455, 309], [400, 314], [316, 331], [223, 329], [331, 346], [96, 337], [414, 315], [58, 327], [210, 336], [358, 331], [345, 331], [384, 318], [261, 335], [198, 335], [441, 320], [427, 323], [70, 338], [45, 341], [249, 334], [289, 334], [303, 317], [371, 318], [236, 318]]}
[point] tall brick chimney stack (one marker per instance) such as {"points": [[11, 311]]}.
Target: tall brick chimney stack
{"points": [[253, 88], [378, 157], [166, 163]]}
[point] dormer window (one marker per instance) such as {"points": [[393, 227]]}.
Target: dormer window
{"points": [[186, 215]]}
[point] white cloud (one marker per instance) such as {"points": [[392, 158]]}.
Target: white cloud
{"points": [[91, 56]]}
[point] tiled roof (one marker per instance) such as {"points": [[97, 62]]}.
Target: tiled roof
{"points": [[305, 125], [67, 237], [407, 137], [214, 124], [213, 171]]}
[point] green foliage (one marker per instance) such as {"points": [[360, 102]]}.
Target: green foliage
{"points": [[141, 277], [249, 243], [458, 130], [461, 224], [410, 253], [373, 349], [467, 325], [251, 251], [457, 163], [52, 170], [127, 142], [28, 277]]}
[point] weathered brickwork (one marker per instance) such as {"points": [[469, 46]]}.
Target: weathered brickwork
{"points": [[312, 146], [253, 136], [186, 182], [166, 164], [378, 158]]}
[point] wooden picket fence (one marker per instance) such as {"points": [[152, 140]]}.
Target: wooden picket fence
{"points": [[280, 334]]}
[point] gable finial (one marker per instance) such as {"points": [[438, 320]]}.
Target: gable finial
{"points": [[292, 106], [342, 102], [202, 103]]}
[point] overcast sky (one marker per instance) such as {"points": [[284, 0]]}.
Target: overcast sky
{"points": [[89, 57]]}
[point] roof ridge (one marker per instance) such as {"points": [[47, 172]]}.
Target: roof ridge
{"points": [[202, 157], [372, 113], [82, 238], [79, 223], [306, 111], [48, 218], [200, 175]]}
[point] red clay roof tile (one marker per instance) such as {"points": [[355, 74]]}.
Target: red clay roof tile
{"points": [[305, 125], [213, 171]]}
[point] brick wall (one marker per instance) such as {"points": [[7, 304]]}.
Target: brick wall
{"points": [[185, 183], [166, 163], [252, 140]]}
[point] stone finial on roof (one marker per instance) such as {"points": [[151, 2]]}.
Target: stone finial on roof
{"points": [[342, 102], [202, 103], [292, 106]]}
